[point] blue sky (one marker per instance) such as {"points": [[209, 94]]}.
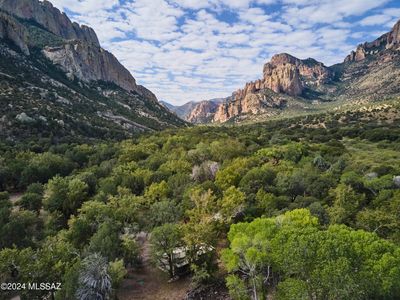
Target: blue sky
{"points": [[192, 50]]}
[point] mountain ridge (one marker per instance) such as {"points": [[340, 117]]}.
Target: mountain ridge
{"points": [[57, 80], [292, 82]]}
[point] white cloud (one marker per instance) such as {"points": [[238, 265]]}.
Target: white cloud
{"points": [[84, 6], [187, 50], [375, 20], [328, 11]]}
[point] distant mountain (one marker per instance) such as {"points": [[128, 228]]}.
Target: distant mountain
{"points": [[372, 72], [204, 111], [195, 112], [182, 111], [56, 80]]}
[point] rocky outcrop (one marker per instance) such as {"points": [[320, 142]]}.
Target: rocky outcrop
{"points": [[393, 38], [46, 15], [89, 62], [284, 74], [357, 55], [251, 103], [12, 30], [388, 41], [310, 71], [203, 112], [288, 75], [79, 56], [283, 79]]}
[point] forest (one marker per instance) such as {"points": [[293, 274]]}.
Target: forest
{"points": [[300, 208]]}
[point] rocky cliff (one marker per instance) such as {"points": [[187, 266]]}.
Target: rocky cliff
{"points": [[253, 103], [45, 14], [388, 41], [284, 74], [203, 112], [55, 80], [89, 62], [371, 72], [80, 54]]}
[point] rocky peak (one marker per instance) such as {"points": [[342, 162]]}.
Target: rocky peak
{"points": [[284, 74], [287, 74], [389, 40], [310, 70], [45, 14]]}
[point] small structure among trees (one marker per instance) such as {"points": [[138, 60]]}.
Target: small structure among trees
{"points": [[181, 260]]}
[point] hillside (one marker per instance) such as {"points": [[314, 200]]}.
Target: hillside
{"points": [[57, 81]]}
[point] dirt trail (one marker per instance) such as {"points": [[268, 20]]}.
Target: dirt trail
{"points": [[150, 283]]}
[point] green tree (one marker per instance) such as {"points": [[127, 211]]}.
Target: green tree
{"points": [[164, 241], [5, 212], [157, 192], [345, 204], [65, 195], [22, 230], [117, 272], [31, 201], [237, 288], [256, 179], [232, 203], [130, 251], [310, 262], [106, 241], [164, 212], [292, 289]]}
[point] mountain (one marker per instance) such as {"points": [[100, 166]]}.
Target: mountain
{"points": [[182, 111], [204, 111], [56, 80], [372, 72], [196, 112]]}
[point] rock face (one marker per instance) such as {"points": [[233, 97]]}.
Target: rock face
{"points": [[252, 103], [13, 31], [80, 55], [89, 62], [388, 41], [293, 74], [50, 18], [203, 112], [284, 74], [88, 94]]}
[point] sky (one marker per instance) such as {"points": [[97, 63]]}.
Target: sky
{"points": [[193, 50]]}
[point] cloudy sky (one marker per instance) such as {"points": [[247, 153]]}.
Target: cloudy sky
{"points": [[191, 50]]}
